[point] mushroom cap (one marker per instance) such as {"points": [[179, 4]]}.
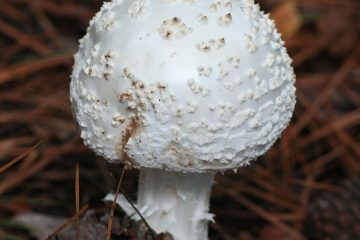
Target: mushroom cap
{"points": [[182, 85]]}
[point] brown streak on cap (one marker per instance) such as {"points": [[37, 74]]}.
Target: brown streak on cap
{"points": [[130, 130]]}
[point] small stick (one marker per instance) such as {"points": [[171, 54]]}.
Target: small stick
{"points": [[24, 39], [69, 221], [26, 67], [77, 200], [141, 216], [14, 161], [137, 211], [111, 215], [263, 213]]}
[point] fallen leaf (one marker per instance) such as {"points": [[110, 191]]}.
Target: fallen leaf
{"points": [[287, 19]]}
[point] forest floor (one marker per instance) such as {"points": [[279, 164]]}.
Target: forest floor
{"points": [[287, 194]]}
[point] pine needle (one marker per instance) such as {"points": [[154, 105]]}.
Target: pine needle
{"points": [[152, 234], [111, 215], [77, 199], [68, 222], [18, 158]]}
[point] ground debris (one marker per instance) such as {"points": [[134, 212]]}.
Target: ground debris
{"points": [[319, 150]]}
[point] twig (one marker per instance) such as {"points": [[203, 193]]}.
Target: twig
{"points": [[68, 222], [26, 68], [23, 39], [17, 159], [49, 156], [152, 232], [343, 122], [263, 213], [77, 199], [111, 215], [338, 77]]}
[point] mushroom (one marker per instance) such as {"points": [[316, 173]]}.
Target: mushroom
{"points": [[181, 89]]}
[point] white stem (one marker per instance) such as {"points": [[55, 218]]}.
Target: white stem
{"points": [[176, 203]]}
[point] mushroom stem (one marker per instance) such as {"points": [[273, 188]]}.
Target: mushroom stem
{"points": [[176, 203]]}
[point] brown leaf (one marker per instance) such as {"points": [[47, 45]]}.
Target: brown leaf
{"points": [[287, 18]]}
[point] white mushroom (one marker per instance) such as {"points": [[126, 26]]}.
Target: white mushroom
{"points": [[181, 89]]}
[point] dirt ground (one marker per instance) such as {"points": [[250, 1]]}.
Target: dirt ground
{"points": [[306, 187]]}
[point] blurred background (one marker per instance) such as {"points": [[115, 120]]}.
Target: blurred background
{"points": [[306, 187]]}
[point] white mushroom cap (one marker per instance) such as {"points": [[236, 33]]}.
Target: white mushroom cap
{"points": [[183, 85]]}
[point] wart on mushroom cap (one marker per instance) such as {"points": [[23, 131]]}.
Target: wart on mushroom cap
{"points": [[225, 57]]}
